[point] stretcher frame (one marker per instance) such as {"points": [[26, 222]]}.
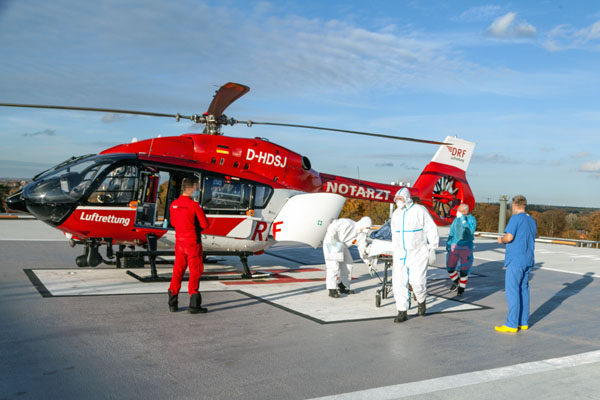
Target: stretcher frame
{"points": [[386, 283]]}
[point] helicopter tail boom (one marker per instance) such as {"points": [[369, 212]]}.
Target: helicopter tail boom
{"points": [[441, 187]]}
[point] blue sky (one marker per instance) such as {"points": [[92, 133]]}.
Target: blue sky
{"points": [[518, 78]]}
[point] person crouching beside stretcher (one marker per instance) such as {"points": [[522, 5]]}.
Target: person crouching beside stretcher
{"points": [[341, 234]]}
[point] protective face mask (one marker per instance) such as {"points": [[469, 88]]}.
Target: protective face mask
{"points": [[400, 204], [458, 214]]}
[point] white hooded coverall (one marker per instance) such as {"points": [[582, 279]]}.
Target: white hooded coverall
{"points": [[414, 234], [341, 234]]}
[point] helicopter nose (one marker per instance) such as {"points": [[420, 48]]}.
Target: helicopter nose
{"points": [[16, 202]]}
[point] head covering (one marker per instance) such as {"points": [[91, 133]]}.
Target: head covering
{"points": [[404, 192], [364, 222]]}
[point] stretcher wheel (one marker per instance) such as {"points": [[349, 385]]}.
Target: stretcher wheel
{"points": [[377, 301]]}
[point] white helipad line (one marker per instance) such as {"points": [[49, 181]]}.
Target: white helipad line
{"points": [[486, 259], [301, 291], [471, 378]]}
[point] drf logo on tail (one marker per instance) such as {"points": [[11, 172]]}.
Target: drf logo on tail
{"points": [[456, 153]]}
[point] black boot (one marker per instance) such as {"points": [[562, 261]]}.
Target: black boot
{"points": [[173, 302], [196, 304], [422, 308], [460, 292], [333, 293], [454, 285], [401, 317], [343, 289]]}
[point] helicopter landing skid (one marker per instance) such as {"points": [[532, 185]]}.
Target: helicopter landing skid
{"points": [[154, 277], [216, 277]]}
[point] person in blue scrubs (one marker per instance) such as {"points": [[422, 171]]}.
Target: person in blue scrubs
{"points": [[519, 237]]}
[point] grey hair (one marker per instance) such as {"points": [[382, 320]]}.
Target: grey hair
{"points": [[520, 201]]}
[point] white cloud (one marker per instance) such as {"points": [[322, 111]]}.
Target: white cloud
{"points": [[114, 117], [590, 166], [591, 32], [494, 158], [479, 13], [565, 37], [507, 26], [582, 154], [45, 132], [167, 54]]}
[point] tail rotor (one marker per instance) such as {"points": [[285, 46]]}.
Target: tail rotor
{"points": [[443, 185], [444, 196]]}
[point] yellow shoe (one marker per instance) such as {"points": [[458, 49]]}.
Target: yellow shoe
{"points": [[523, 327], [506, 329]]}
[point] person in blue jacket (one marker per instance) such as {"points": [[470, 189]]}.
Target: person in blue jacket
{"points": [[519, 237], [459, 259]]}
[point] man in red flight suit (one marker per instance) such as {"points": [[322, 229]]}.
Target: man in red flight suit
{"points": [[189, 220]]}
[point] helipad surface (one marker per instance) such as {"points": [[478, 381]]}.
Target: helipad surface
{"points": [[298, 290], [74, 333]]}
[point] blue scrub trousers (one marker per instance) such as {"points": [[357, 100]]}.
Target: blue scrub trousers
{"points": [[517, 295]]}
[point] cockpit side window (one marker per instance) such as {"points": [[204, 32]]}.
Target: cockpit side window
{"points": [[262, 195], [119, 187], [221, 194]]}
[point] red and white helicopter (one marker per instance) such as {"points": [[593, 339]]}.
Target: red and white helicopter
{"points": [[255, 193]]}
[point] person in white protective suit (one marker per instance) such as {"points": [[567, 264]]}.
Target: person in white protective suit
{"points": [[341, 234], [415, 238]]}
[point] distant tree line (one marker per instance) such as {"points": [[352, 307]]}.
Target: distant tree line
{"points": [[6, 189], [357, 208], [560, 222]]}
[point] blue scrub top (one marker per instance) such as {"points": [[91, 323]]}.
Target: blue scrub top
{"points": [[520, 251]]}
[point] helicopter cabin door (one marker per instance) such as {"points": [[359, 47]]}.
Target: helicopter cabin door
{"points": [[152, 199], [305, 217]]}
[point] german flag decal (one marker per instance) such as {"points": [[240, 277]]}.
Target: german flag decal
{"points": [[222, 149]]}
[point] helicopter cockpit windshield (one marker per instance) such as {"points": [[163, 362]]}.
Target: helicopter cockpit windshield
{"points": [[54, 193]]}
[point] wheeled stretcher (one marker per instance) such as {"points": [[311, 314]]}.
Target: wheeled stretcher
{"points": [[380, 251]]}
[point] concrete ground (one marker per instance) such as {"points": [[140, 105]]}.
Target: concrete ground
{"points": [[94, 333]]}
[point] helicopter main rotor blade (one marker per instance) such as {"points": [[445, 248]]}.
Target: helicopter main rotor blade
{"points": [[227, 94], [194, 118], [250, 123], [105, 110]]}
